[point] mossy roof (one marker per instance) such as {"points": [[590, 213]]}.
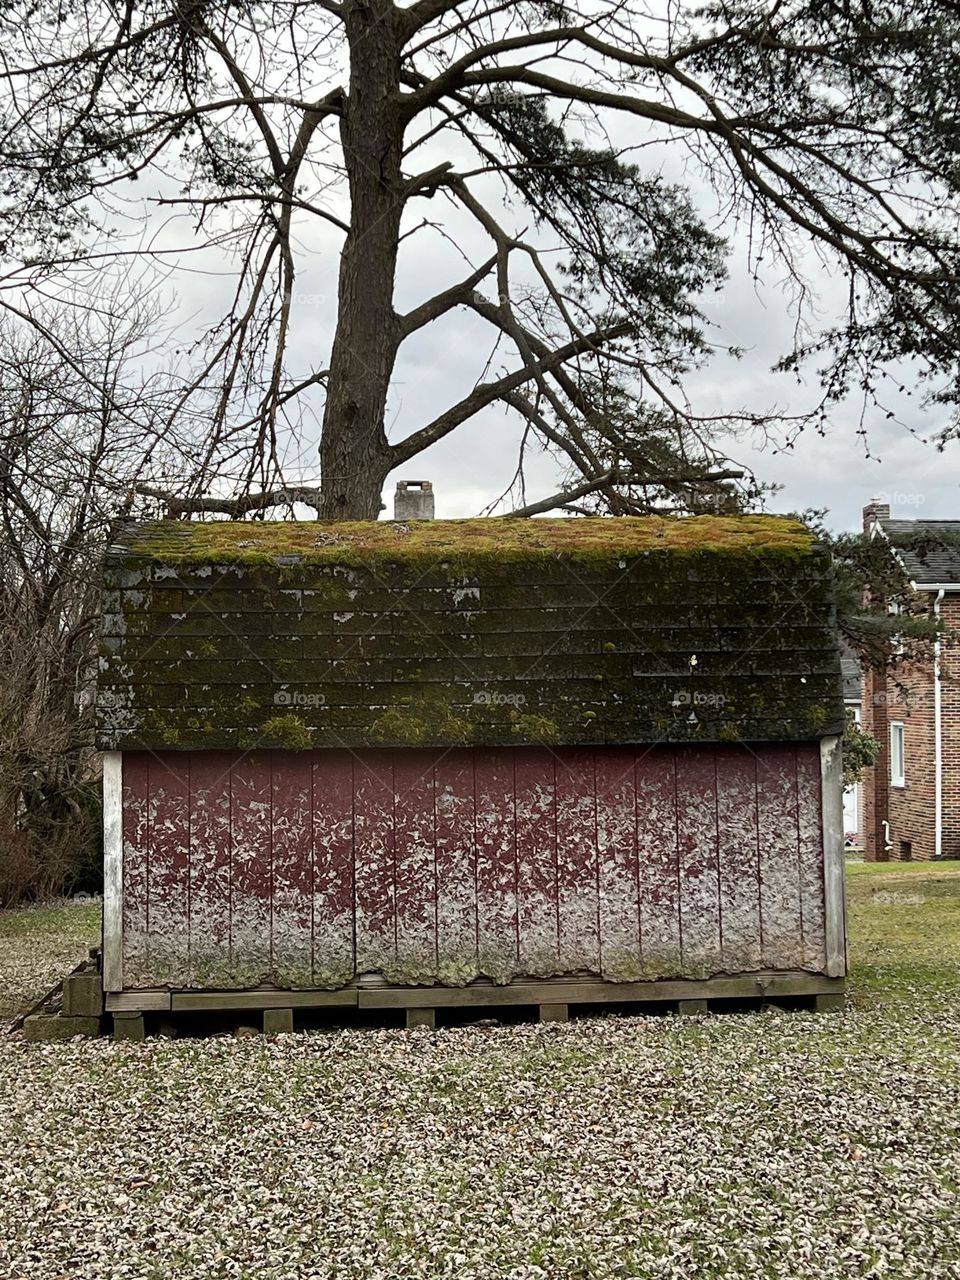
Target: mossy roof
{"points": [[364, 543], [467, 632]]}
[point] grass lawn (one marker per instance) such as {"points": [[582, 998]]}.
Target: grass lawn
{"points": [[38, 946], [757, 1145]]}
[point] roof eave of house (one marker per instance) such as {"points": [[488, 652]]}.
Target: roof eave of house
{"points": [[876, 528]]}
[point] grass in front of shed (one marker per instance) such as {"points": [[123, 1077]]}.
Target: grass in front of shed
{"points": [[66, 921], [762, 1146], [38, 945]]}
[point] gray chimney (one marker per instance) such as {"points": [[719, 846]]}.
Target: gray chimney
{"points": [[413, 500]]}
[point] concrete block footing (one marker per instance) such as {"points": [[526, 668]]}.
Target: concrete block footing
{"points": [[690, 1008], [129, 1026], [829, 1001], [44, 1027], [277, 1022], [83, 994], [554, 1012]]}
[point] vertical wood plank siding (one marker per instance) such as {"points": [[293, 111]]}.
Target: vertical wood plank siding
{"points": [[309, 869]]}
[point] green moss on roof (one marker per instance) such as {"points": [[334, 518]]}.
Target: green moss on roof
{"points": [[467, 542], [467, 633]]}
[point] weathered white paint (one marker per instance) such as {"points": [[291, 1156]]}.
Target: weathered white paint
{"points": [[811, 869], [489, 869], [831, 799], [112, 871]]}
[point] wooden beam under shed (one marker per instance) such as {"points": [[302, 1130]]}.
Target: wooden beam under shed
{"points": [[552, 996], [138, 1001], [488, 994], [207, 1001]]}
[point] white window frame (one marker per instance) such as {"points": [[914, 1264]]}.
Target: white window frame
{"points": [[898, 762]]}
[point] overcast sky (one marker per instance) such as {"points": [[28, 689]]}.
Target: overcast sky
{"points": [[476, 463], [832, 471], [840, 471]]}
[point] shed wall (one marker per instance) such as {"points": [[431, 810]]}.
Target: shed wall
{"points": [[309, 869]]}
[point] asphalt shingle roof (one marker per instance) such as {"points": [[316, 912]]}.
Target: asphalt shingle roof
{"points": [[850, 672], [923, 548]]}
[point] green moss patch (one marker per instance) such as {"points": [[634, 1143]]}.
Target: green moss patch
{"points": [[467, 632], [469, 543]]}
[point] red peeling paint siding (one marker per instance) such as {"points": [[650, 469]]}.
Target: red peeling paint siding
{"points": [[210, 858], [316, 868], [455, 860], [779, 840], [538, 918], [375, 876], [168, 870], [136, 867], [495, 834], [251, 872], [334, 916], [658, 856], [577, 872], [619, 883], [701, 945], [291, 812], [739, 860]]}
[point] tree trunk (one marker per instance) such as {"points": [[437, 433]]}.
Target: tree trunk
{"points": [[354, 454]]}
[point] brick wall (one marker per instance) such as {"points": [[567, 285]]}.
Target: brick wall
{"points": [[911, 807], [873, 719], [907, 695], [950, 717]]}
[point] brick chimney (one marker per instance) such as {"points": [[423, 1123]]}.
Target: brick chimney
{"points": [[413, 500], [875, 510]]}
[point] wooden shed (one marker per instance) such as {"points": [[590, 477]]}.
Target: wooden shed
{"points": [[483, 761]]}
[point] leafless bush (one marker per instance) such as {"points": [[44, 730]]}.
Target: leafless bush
{"points": [[82, 421]]}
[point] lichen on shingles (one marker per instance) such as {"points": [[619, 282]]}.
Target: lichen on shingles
{"points": [[301, 635], [459, 543]]}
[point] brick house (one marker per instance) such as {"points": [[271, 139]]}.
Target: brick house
{"points": [[911, 797]]}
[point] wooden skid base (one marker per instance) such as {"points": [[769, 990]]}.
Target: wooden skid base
{"points": [[488, 994], [553, 998]]}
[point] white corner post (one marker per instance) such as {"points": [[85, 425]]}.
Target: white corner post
{"points": [[831, 800], [112, 871]]}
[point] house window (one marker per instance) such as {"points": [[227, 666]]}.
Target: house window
{"points": [[896, 754]]}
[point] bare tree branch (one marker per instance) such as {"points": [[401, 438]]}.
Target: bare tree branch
{"points": [[611, 478]]}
